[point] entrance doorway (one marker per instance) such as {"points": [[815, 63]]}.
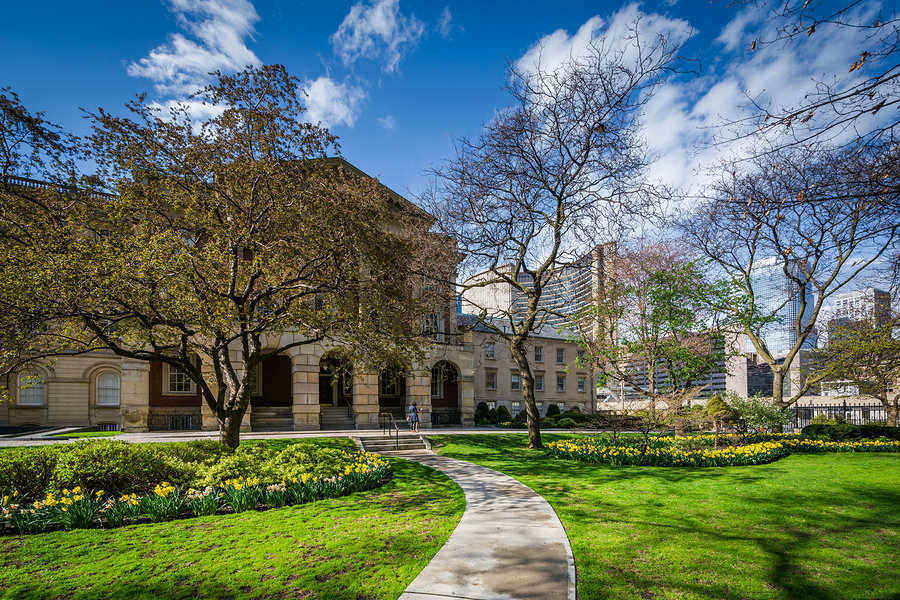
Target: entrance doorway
{"points": [[445, 394], [392, 391], [335, 381]]}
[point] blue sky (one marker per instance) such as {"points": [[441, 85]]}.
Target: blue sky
{"points": [[397, 81]]}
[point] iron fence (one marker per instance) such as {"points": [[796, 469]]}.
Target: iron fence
{"points": [[854, 414]]}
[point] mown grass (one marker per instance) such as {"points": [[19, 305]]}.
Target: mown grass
{"points": [[821, 527], [368, 545]]}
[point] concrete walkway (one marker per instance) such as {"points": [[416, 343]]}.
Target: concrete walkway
{"points": [[509, 543], [45, 437]]}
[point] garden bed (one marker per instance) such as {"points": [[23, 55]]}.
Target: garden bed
{"points": [[110, 484], [701, 450]]}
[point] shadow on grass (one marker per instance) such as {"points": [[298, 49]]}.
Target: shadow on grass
{"points": [[808, 527]]}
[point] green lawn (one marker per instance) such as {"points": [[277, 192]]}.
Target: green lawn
{"points": [[361, 547], [809, 526]]}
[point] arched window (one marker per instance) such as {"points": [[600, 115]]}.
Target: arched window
{"points": [[108, 389], [31, 389]]}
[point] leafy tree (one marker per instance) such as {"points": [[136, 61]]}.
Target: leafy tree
{"points": [[230, 239], [660, 335], [755, 413], [530, 195], [864, 353]]}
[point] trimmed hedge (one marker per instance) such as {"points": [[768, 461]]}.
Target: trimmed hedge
{"points": [[850, 432]]}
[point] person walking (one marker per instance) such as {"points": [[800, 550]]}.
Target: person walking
{"points": [[413, 417]]}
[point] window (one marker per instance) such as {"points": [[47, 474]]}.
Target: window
{"points": [[560, 382], [490, 380], [538, 354], [516, 407], [490, 350], [31, 389], [561, 356], [540, 406], [492, 404], [437, 384], [434, 326], [539, 382], [178, 381], [515, 381], [582, 385], [108, 389], [580, 357]]}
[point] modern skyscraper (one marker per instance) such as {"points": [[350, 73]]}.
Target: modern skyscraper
{"points": [[779, 296], [569, 291]]}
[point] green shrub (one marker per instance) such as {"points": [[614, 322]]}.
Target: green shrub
{"points": [[27, 471], [117, 468], [552, 411], [481, 412], [503, 415], [845, 431], [566, 423], [295, 460], [246, 461]]}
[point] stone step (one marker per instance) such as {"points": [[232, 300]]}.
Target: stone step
{"points": [[384, 438], [386, 445]]}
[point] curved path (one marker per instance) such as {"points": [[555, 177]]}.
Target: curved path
{"points": [[508, 545]]}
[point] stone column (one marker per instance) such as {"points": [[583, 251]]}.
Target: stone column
{"points": [[135, 395], [418, 389], [365, 398], [467, 387], [305, 390]]}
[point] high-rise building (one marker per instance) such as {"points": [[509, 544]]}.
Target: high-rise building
{"points": [[862, 304], [571, 289], [779, 296]]}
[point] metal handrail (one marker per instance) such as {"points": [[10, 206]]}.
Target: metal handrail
{"points": [[388, 422]]}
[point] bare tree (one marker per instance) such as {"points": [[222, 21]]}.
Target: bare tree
{"points": [[529, 196], [818, 217], [857, 105]]}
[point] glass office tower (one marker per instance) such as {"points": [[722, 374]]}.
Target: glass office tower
{"points": [[776, 294]]}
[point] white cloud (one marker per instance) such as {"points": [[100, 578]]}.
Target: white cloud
{"points": [[681, 119], [387, 122], [558, 48], [219, 28], [733, 33], [333, 103], [377, 31], [445, 23]]}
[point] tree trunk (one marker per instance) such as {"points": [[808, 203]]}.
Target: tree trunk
{"points": [[230, 429], [778, 388], [533, 418], [892, 410]]}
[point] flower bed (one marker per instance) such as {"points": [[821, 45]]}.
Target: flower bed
{"points": [[79, 508], [669, 451]]}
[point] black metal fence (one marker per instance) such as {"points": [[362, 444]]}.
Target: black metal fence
{"points": [[850, 413]]}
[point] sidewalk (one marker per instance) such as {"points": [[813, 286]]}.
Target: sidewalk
{"points": [[184, 436], [509, 543]]}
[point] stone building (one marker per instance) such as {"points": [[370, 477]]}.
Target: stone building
{"points": [[308, 387], [560, 379]]}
